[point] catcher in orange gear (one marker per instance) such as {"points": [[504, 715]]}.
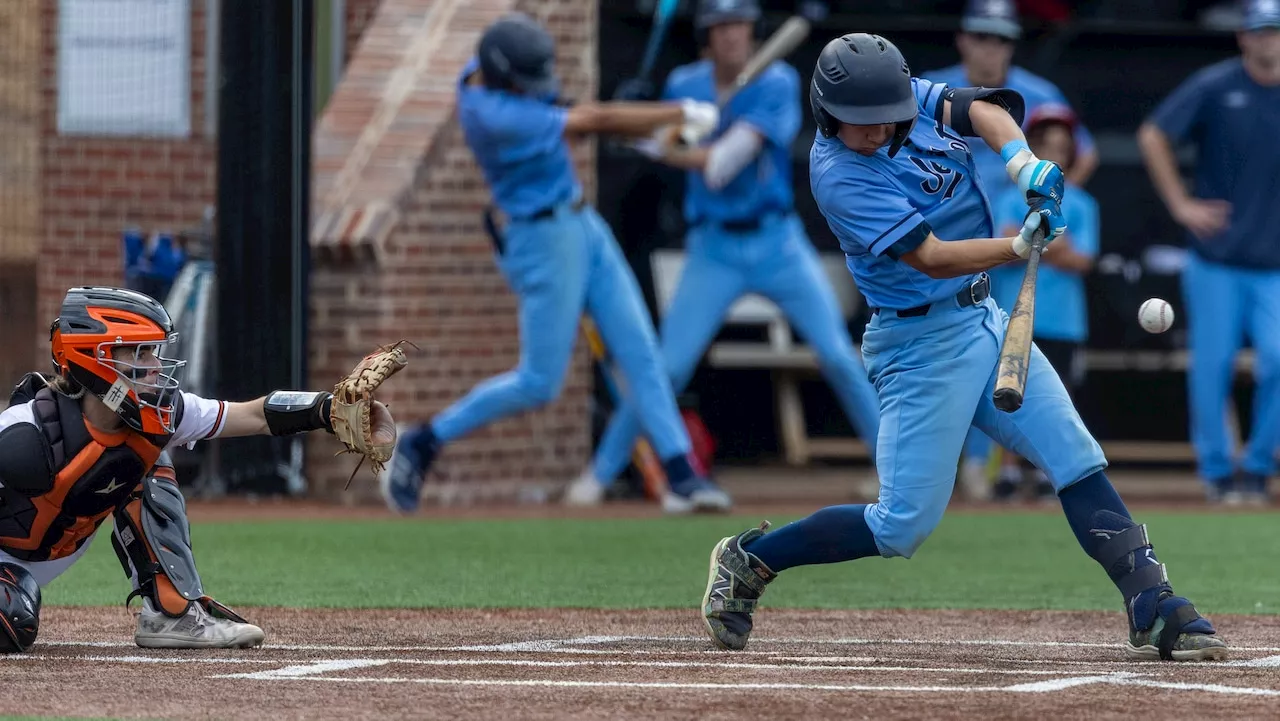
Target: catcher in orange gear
{"points": [[90, 441]]}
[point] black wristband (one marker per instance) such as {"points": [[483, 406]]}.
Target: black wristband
{"points": [[290, 412]]}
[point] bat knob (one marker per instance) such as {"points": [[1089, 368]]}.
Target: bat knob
{"points": [[1007, 400]]}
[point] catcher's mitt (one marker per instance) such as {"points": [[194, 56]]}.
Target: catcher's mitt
{"points": [[362, 424]]}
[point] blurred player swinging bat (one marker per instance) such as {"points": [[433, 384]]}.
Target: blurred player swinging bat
{"points": [[1015, 351], [642, 454], [779, 45]]}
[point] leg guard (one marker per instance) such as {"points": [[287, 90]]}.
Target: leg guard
{"points": [[152, 538], [1157, 618]]}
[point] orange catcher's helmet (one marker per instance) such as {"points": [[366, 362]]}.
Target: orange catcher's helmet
{"points": [[109, 342]]}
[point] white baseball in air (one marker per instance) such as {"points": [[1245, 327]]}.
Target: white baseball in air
{"points": [[1155, 315]]}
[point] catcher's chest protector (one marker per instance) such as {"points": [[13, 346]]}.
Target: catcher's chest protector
{"points": [[62, 478]]}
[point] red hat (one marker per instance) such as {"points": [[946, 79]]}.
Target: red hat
{"points": [[1052, 112]]}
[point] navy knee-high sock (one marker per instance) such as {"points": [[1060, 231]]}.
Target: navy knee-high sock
{"points": [[834, 534], [1084, 500]]}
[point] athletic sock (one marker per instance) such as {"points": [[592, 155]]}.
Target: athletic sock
{"points": [[833, 534], [678, 469]]}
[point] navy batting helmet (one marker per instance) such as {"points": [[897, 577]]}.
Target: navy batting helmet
{"points": [[20, 608], [517, 53], [862, 79], [717, 12]]}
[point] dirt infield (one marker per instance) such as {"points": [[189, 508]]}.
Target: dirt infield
{"points": [[654, 664]]}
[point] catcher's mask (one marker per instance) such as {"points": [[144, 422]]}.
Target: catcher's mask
{"points": [[110, 342]]}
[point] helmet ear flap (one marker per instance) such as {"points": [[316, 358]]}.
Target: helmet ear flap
{"points": [[900, 134], [827, 124]]}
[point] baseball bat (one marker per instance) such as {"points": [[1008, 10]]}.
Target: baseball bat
{"points": [[662, 14], [1015, 350], [780, 44], [653, 475]]}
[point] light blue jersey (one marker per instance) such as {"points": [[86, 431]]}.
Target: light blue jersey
{"points": [[519, 143], [881, 208], [1061, 308], [1035, 91], [770, 105]]}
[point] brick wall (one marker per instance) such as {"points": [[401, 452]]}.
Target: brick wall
{"points": [[92, 187], [21, 100], [393, 177]]}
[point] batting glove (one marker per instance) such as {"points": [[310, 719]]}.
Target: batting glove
{"points": [[1036, 178], [1048, 216], [700, 120]]}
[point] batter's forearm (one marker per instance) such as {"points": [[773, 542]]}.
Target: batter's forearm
{"points": [[951, 259], [1161, 164], [994, 125], [622, 118]]}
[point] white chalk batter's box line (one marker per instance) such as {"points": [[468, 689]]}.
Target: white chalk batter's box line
{"points": [[1085, 672], [590, 645]]}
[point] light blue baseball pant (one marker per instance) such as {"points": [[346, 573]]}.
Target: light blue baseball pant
{"points": [[558, 267], [1222, 304], [779, 263], [935, 375]]}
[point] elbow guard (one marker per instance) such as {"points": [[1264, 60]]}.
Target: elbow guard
{"points": [[290, 412], [963, 98]]}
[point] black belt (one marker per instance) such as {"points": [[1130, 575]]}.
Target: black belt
{"points": [[550, 210], [744, 225], [972, 294], [495, 234]]}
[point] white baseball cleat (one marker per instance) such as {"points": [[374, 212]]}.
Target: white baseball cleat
{"points": [[586, 490], [195, 629]]}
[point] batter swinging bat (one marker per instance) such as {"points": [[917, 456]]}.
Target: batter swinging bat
{"points": [[1015, 351], [643, 455], [779, 45]]}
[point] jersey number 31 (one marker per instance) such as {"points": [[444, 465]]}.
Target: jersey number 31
{"points": [[940, 176]]}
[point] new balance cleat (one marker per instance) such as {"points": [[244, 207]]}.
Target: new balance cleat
{"points": [[735, 581], [1176, 633]]}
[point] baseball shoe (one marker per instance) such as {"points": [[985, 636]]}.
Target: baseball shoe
{"points": [[696, 495], [1252, 488], [194, 629], [586, 490], [402, 483], [1223, 491], [1177, 633], [735, 581]]}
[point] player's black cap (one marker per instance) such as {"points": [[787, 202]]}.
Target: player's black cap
{"points": [[516, 52], [991, 17]]}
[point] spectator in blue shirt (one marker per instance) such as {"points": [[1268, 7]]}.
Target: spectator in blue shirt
{"points": [[1062, 323], [989, 31], [1231, 284]]}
